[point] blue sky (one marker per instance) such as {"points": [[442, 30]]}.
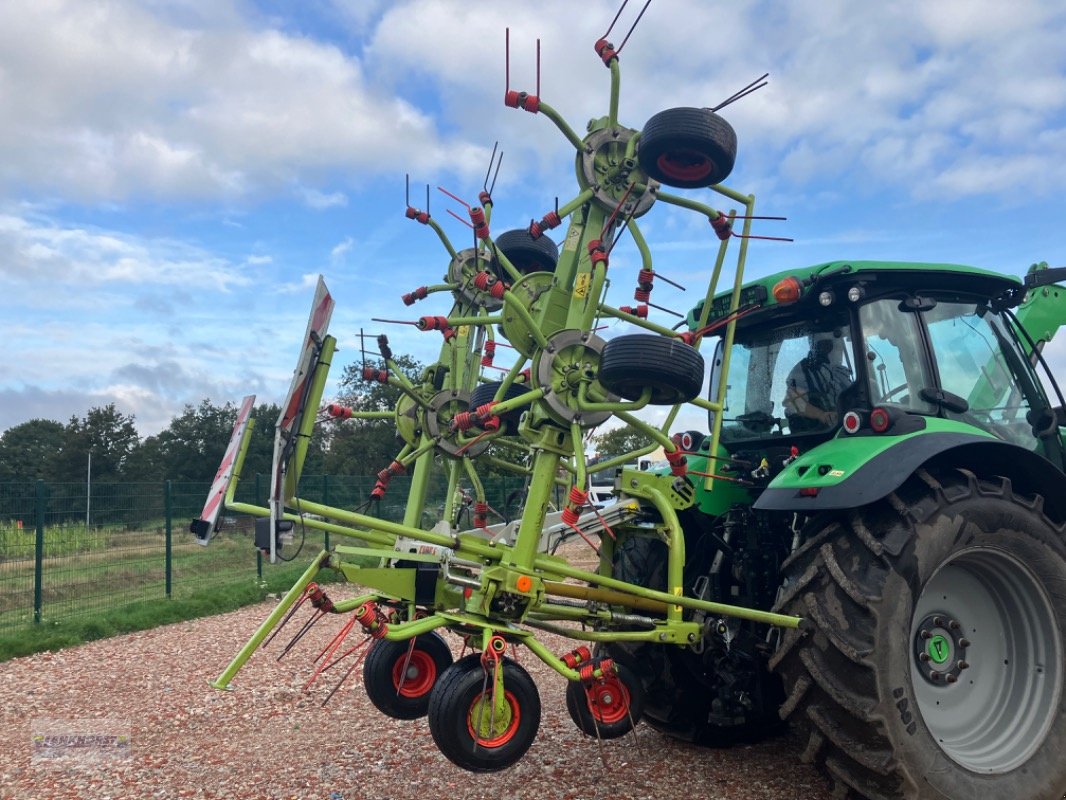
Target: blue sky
{"points": [[175, 175]]}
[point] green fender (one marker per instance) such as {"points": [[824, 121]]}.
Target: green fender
{"points": [[853, 471]]}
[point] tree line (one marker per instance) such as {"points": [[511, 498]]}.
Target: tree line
{"points": [[191, 447]]}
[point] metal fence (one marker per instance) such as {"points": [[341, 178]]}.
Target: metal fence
{"points": [[68, 551]]}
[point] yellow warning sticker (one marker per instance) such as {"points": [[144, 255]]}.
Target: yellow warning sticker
{"points": [[581, 285], [464, 330]]}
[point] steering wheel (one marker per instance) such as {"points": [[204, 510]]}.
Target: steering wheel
{"points": [[757, 421], [893, 391]]}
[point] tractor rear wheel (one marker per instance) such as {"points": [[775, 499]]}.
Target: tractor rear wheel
{"points": [[934, 665]]}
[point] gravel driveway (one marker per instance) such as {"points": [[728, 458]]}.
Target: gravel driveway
{"points": [[270, 739]]}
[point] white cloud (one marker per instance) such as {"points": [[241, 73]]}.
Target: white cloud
{"points": [[38, 249], [340, 250], [323, 200]]}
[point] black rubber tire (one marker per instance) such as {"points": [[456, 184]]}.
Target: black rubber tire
{"points": [[430, 658], [853, 681], [687, 147], [612, 720], [679, 697], [485, 392], [525, 253], [629, 364], [452, 704]]}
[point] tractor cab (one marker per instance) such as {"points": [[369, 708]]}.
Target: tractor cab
{"points": [[875, 348]]}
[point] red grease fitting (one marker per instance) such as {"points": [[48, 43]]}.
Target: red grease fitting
{"points": [[432, 323], [678, 462], [578, 656], [411, 298], [597, 252], [605, 50], [336, 410], [477, 217], [640, 311], [723, 228], [418, 215]]}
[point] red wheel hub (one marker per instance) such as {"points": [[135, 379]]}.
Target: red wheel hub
{"points": [[608, 700], [685, 165], [420, 675]]}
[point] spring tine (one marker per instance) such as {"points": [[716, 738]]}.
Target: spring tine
{"points": [[633, 26], [406, 664], [667, 310], [285, 621], [675, 284], [347, 653], [333, 691], [301, 633]]}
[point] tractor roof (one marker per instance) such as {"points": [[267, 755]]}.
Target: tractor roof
{"points": [[875, 277]]}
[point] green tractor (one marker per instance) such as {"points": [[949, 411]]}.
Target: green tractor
{"points": [[888, 465]]}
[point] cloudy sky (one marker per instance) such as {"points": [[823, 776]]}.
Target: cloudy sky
{"points": [[175, 174]]}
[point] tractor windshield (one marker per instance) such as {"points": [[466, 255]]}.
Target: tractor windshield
{"points": [[785, 381], [982, 374]]}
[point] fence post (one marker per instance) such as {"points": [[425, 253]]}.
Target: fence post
{"points": [[325, 502], [38, 554], [258, 552], [168, 507]]}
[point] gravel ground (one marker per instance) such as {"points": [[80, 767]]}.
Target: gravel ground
{"points": [[270, 739]]}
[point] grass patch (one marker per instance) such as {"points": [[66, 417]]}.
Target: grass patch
{"points": [[147, 614]]}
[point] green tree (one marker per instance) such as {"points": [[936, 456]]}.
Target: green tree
{"points": [[109, 435], [618, 441], [28, 451], [362, 447]]}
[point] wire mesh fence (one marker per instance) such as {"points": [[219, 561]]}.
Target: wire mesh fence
{"points": [[69, 552]]}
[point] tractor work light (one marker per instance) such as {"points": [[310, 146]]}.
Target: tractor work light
{"points": [[852, 422], [880, 420], [856, 293], [788, 290], [826, 298]]}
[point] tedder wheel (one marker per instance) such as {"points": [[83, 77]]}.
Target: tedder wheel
{"points": [[607, 708], [525, 253], [673, 369], [466, 728], [399, 692], [687, 147], [683, 690], [485, 392], [934, 668]]}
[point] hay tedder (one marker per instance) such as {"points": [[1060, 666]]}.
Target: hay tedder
{"points": [[906, 530]]}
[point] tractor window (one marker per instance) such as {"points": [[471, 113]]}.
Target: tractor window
{"points": [[784, 382], [897, 369], [980, 361]]}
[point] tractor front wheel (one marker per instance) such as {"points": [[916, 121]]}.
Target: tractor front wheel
{"points": [[934, 667]]}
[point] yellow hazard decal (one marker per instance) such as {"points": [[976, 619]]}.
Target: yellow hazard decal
{"points": [[464, 330], [581, 285]]}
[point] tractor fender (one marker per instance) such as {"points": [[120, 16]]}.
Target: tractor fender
{"points": [[884, 472]]}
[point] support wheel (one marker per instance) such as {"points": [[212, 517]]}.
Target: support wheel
{"points": [[673, 369], [399, 686], [687, 147], [608, 708], [525, 253], [466, 728], [935, 666]]}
